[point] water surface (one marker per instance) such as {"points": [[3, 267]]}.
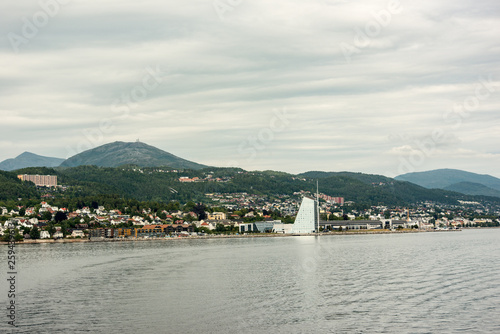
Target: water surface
{"points": [[446, 282]]}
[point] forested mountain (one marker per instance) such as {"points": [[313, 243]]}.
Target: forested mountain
{"points": [[12, 188], [471, 188], [370, 188], [456, 180], [164, 185], [121, 153]]}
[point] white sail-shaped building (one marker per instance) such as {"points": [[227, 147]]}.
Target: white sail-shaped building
{"points": [[306, 219]]}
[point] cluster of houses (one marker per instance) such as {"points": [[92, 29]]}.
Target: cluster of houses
{"points": [[179, 223], [286, 205], [21, 223], [208, 178], [147, 231]]}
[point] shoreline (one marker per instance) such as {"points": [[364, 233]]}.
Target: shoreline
{"points": [[222, 236]]}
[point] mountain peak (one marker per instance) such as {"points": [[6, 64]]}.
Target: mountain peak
{"points": [[27, 154], [28, 159], [456, 180], [120, 153]]}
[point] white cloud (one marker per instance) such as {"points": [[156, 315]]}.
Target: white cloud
{"points": [[223, 79]]}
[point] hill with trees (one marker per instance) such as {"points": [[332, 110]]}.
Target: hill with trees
{"points": [[12, 188], [133, 153], [164, 185], [471, 188], [455, 180]]}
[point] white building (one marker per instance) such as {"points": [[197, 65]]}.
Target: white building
{"points": [[217, 216], [77, 233], [44, 234], [282, 228], [307, 218]]}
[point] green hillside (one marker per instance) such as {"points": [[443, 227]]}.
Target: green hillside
{"points": [[12, 188], [163, 185], [471, 188], [121, 153], [379, 189]]}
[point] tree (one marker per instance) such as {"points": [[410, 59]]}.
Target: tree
{"points": [[204, 230], [22, 212], [51, 229], [64, 228], [35, 233], [199, 209], [60, 216], [188, 218], [173, 206], [47, 216], [189, 206]]}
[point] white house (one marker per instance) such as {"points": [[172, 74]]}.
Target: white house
{"points": [[44, 234], [116, 221], [210, 226], [25, 223], [78, 233]]}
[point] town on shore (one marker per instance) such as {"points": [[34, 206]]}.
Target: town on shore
{"points": [[234, 214]]}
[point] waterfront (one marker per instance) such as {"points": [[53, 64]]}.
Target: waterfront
{"points": [[217, 236], [391, 283]]}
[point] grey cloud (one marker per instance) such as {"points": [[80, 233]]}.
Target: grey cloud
{"points": [[223, 78]]}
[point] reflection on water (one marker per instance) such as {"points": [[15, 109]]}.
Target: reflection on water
{"points": [[418, 283]]}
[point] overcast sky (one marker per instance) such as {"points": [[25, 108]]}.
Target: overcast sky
{"points": [[378, 87]]}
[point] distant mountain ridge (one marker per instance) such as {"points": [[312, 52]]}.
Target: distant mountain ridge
{"points": [[28, 159], [129, 153], [455, 180], [471, 188]]}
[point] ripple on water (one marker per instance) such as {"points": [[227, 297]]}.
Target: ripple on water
{"points": [[409, 283]]}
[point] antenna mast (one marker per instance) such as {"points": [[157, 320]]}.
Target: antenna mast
{"points": [[317, 206]]}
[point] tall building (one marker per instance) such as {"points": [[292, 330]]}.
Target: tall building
{"points": [[40, 180], [307, 218], [338, 200], [332, 200]]}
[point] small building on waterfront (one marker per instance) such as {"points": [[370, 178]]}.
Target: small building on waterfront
{"points": [[389, 224], [44, 234], [262, 226], [78, 233], [334, 225]]}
